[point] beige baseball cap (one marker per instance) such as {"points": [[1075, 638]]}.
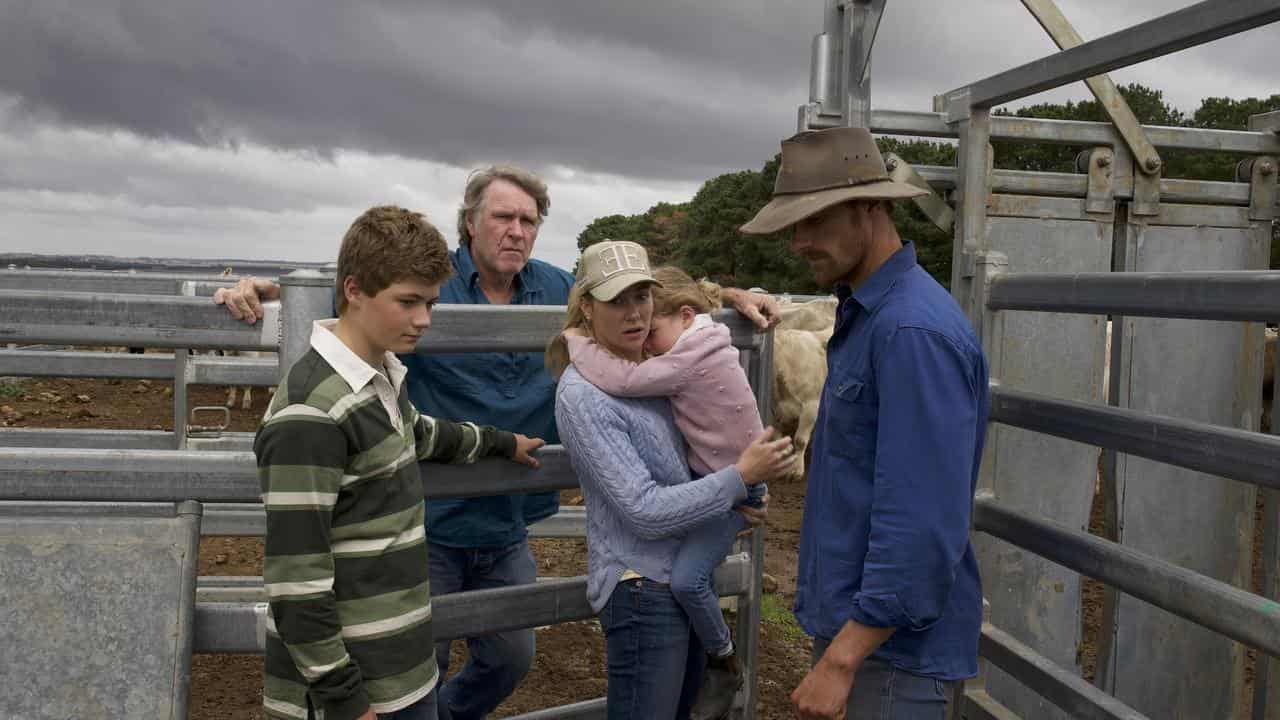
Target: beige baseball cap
{"points": [[611, 266]]}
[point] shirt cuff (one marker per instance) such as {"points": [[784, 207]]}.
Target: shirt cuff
{"points": [[504, 444], [733, 484], [881, 611]]}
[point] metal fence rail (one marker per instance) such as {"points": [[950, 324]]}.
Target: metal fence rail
{"points": [[99, 281], [1228, 610], [1228, 452], [137, 320], [223, 627], [1075, 185], [1077, 132], [1188, 27], [1063, 688], [193, 322], [199, 369], [55, 474], [1248, 295], [100, 439]]}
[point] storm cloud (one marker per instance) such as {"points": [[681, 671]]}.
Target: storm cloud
{"points": [[248, 109]]}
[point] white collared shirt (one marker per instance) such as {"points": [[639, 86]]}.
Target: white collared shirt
{"points": [[357, 373]]}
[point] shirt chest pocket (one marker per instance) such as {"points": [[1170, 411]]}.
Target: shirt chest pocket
{"points": [[852, 412]]}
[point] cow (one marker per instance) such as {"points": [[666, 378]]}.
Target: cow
{"points": [[799, 371]]}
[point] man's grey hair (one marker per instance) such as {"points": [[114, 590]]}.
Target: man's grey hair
{"points": [[480, 179]]}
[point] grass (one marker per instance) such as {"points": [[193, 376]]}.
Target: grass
{"points": [[11, 389], [774, 610]]}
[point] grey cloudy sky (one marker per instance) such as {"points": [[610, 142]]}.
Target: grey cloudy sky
{"points": [[259, 130]]}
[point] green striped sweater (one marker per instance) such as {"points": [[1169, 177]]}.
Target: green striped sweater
{"points": [[346, 572]]}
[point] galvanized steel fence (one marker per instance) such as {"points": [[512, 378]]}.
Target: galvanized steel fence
{"points": [[1035, 254], [103, 472]]}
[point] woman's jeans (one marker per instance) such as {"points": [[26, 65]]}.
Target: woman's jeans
{"points": [[692, 579], [655, 661]]}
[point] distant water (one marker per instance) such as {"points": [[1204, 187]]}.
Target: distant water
{"points": [[201, 266]]}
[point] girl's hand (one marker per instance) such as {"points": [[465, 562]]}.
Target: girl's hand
{"points": [[765, 458]]}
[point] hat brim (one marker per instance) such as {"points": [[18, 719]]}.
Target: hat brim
{"points": [[611, 288], [787, 210]]}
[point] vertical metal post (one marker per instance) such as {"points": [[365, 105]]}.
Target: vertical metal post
{"points": [[760, 374], [190, 513], [1103, 677], [862, 21], [972, 193], [305, 296], [180, 403]]}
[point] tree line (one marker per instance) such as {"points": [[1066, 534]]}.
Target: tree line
{"points": [[702, 237]]}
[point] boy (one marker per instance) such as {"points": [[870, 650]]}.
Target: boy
{"points": [[349, 626]]}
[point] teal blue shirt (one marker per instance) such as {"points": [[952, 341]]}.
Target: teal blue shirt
{"points": [[510, 391]]}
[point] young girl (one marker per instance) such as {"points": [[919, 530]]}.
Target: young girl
{"points": [[694, 364]]}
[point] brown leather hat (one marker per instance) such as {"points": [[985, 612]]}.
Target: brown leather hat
{"points": [[821, 168]]}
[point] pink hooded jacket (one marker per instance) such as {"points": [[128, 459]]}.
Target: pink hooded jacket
{"points": [[711, 399]]}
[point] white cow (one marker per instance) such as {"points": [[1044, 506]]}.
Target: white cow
{"points": [[799, 370]]}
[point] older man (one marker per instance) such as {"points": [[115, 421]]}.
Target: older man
{"points": [[479, 543], [887, 584]]}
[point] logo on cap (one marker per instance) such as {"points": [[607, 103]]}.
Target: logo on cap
{"points": [[621, 257]]}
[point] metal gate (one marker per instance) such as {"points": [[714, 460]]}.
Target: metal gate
{"points": [[1041, 263]]}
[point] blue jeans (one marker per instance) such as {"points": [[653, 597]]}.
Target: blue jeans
{"points": [[497, 662], [655, 662], [883, 692], [691, 579], [424, 709]]}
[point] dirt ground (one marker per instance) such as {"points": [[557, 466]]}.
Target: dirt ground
{"points": [[570, 660]]}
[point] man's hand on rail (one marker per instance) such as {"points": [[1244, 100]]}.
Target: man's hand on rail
{"points": [[244, 301], [761, 309]]}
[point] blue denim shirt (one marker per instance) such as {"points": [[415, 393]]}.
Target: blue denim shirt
{"points": [[511, 391], [896, 451]]}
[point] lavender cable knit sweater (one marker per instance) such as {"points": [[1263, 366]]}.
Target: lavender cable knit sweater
{"points": [[641, 500]]}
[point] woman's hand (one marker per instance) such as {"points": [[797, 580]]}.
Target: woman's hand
{"points": [[765, 458]]}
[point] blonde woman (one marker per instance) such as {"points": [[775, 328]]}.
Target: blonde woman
{"points": [[641, 499]]}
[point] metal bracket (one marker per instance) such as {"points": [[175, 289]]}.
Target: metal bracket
{"points": [[1260, 173], [954, 105], [208, 431], [1113, 103], [932, 205], [840, 70], [1101, 195], [1146, 194], [986, 267]]}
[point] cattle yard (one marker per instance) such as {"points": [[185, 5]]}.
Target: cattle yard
{"points": [[569, 666], [1127, 518]]}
